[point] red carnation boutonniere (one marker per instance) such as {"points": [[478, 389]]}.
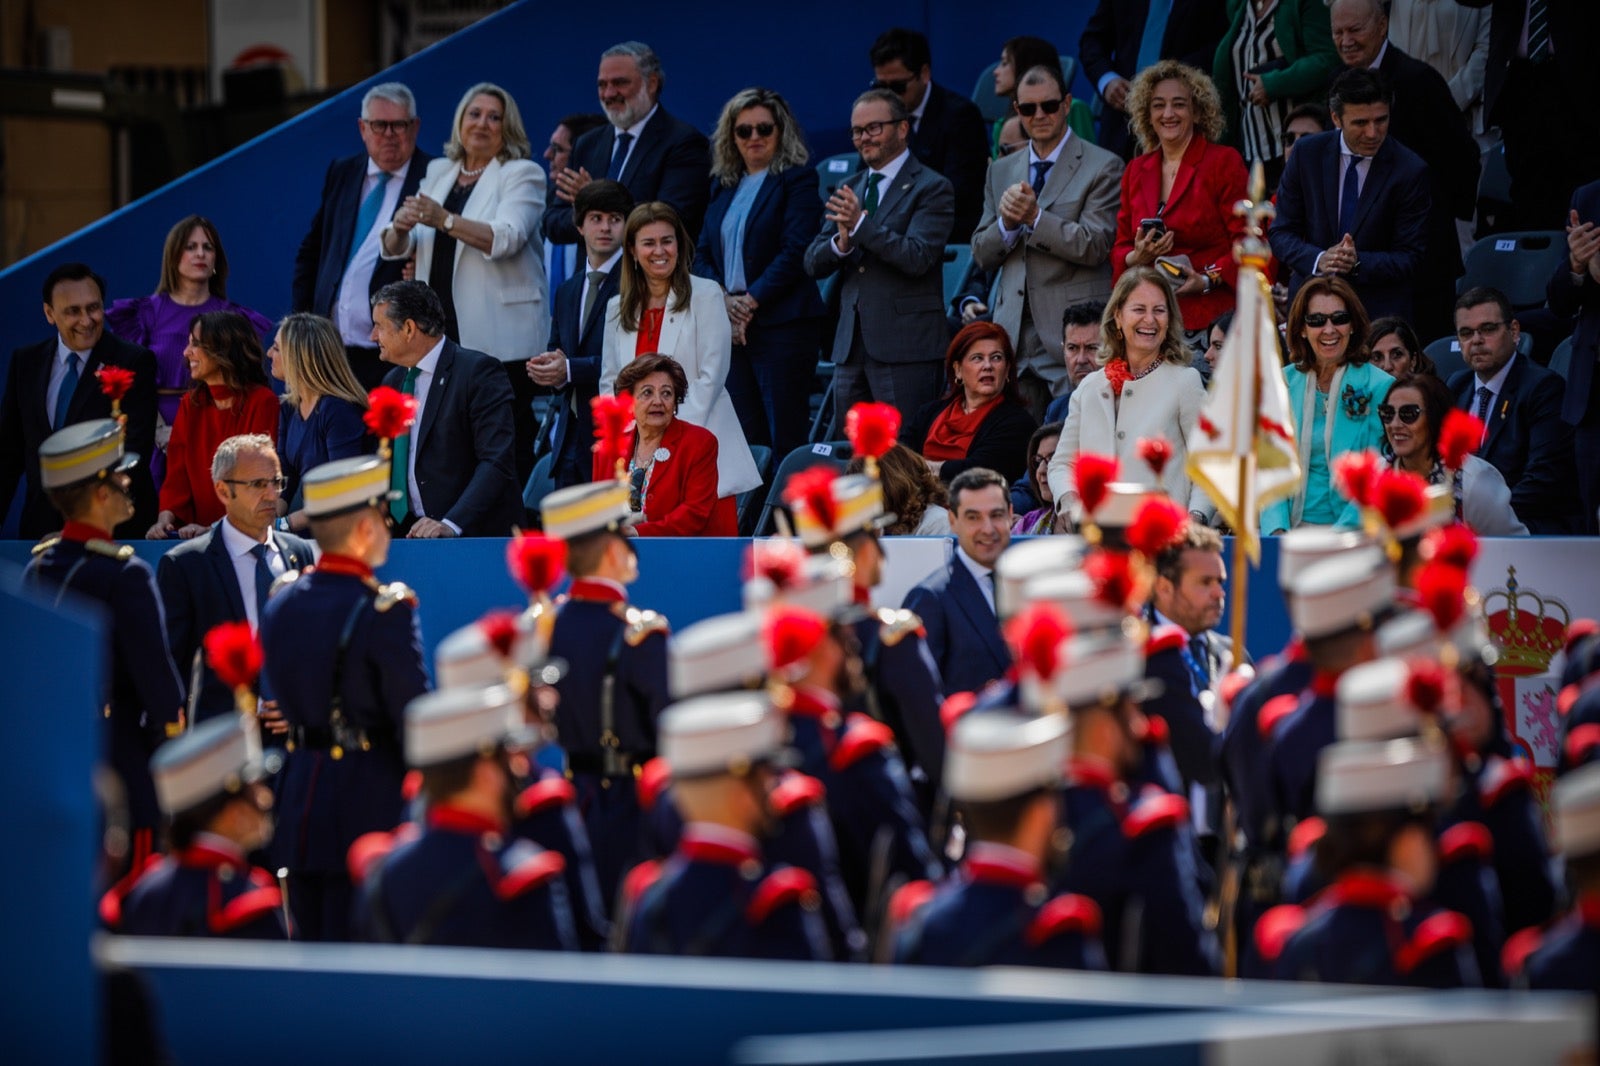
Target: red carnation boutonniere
{"points": [[115, 381], [1118, 374]]}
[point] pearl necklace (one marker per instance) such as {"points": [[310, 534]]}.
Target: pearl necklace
{"points": [[465, 173]]}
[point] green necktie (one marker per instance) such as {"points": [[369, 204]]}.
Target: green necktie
{"points": [[871, 202], [400, 465]]}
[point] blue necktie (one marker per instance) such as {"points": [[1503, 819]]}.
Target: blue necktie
{"points": [[1350, 196], [69, 385], [1041, 171], [368, 214], [1155, 29], [619, 156], [264, 581]]}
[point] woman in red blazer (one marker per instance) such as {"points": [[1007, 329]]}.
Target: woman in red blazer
{"points": [[1189, 184], [672, 471]]}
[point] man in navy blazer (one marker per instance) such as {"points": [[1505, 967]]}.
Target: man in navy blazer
{"points": [[572, 365], [1520, 403], [32, 407], [458, 478], [1574, 289], [337, 270], [216, 577], [654, 154], [1378, 244]]}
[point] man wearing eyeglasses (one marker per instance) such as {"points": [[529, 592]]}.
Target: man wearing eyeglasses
{"points": [[338, 268], [225, 573]]}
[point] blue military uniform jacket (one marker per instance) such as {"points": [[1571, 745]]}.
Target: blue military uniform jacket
{"points": [[1567, 955], [208, 889], [905, 692], [464, 881], [547, 814], [1498, 792], [1296, 743]]}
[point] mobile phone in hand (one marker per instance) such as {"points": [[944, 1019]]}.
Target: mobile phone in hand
{"points": [[1152, 225]]}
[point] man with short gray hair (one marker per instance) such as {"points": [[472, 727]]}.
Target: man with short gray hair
{"points": [[338, 268]]}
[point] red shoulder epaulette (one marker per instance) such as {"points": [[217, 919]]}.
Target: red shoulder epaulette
{"points": [[1519, 947], [1579, 629], [1466, 842], [1070, 913], [368, 850], [862, 737], [1581, 742], [654, 778], [111, 902], [1274, 711], [411, 785], [1158, 811], [1304, 836], [1569, 695], [1165, 638], [542, 795], [246, 908], [1231, 685], [1501, 777], [1438, 933], [779, 889], [1156, 731], [954, 706], [639, 880], [1275, 928], [794, 792], [537, 869], [908, 899]]}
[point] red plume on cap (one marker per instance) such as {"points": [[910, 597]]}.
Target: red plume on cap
{"points": [[1442, 590], [115, 381], [790, 634], [813, 489], [1425, 686], [782, 562], [1156, 524], [1459, 436], [872, 428], [1398, 496], [390, 412], [536, 561], [1092, 476], [1453, 545], [1035, 634], [1156, 452], [234, 654], [612, 416], [499, 628], [1354, 474], [1112, 574]]}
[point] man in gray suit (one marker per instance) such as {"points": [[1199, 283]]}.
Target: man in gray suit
{"points": [[1049, 218], [886, 228]]}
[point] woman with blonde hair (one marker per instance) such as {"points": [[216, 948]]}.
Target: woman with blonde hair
{"points": [[320, 418]]}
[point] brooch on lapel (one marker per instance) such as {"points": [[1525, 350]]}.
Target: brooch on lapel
{"points": [[661, 455], [1355, 403]]}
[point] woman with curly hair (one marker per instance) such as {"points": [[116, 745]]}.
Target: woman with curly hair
{"points": [[911, 492]]}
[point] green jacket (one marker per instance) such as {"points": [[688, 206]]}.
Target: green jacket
{"points": [[1305, 34]]}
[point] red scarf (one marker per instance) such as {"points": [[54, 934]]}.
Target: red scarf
{"points": [[950, 436], [1118, 374]]}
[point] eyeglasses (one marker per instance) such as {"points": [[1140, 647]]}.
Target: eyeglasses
{"points": [[1007, 149], [1408, 412], [260, 484], [1049, 107], [1487, 331], [871, 129], [383, 128], [898, 86], [1338, 318], [745, 131], [636, 478]]}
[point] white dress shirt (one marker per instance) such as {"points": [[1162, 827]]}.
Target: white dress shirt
{"points": [[240, 548], [635, 129], [890, 171], [1009, 236], [1495, 384], [588, 283], [983, 575], [58, 374], [419, 388], [922, 105], [352, 308]]}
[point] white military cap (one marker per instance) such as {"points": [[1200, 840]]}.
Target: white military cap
{"points": [[217, 756], [458, 722], [994, 755], [1302, 548], [1122, 502], [82, 451], [1439, 509], [580, 509], [722, 733], [1343, 593], [346, 484], [717, 655], [1361, 776], [1074, 592], [1414, 634], [466, 658], [1576, 799], [1101, 668], [857, 506], [1027, 560], [822, 584], [1372, 703]]}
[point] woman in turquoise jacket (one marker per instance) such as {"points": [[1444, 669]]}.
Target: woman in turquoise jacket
{"points": [[1263, 71], [1334, 392]]}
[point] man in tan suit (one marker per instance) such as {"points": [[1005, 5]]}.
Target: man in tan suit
{"points": [[1049, 218]]}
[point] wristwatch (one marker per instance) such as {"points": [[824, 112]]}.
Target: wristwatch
{"points": [[449, 222]]}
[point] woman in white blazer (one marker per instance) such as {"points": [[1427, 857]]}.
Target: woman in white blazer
{"points": [[1450, 38], [663, 309], [1144, 388]]}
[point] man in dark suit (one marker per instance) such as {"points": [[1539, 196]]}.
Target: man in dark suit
{"points": [[947, 130], [657, 156], [52, 385], [885, 229], [1575, 290], [454, 469], [1426, 120], [1123, 37], [601, 208], [338, 268], [224, 574], [1520, 403], [1355, 202], [561, 261]]}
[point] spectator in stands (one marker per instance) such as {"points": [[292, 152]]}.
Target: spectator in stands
{"points": [[911, 492], [657, 156], [474, 230], [194, 280], [1396, 350], [320, 417], [1048, 221], [1080, 345], [1042, 519], [1303, 121], [1144, 388], [1018, 56], [1269, 61], [661, 308], [1334, 391], [885, 229], [763, 212], [1121, 39], [672, 468], [1452, 39], [1373, 230], [339, 267], [1574, 289], [1423, 117], [228, 396], [1216, 338], [947, 131], [1187, 183], [560, 260], [1412, 413], [1519, 402], [979, 421]]}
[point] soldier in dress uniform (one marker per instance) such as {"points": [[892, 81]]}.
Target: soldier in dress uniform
{"points": [[209, 784], [344, 656], [1567, 955], [464, 878], [719, 894], [616, 682], [1579, 699], [83, 469], [1004, 771]]}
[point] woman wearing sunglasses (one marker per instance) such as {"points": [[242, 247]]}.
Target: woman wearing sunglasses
{"points": [[1334, 391], [764, 211], [1411, 414]]}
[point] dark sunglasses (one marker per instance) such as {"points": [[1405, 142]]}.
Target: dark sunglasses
{"points": [[636, 478], [898, 86], [1049, 107], [745, 131], [1408, 412], [1338, 318]]}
